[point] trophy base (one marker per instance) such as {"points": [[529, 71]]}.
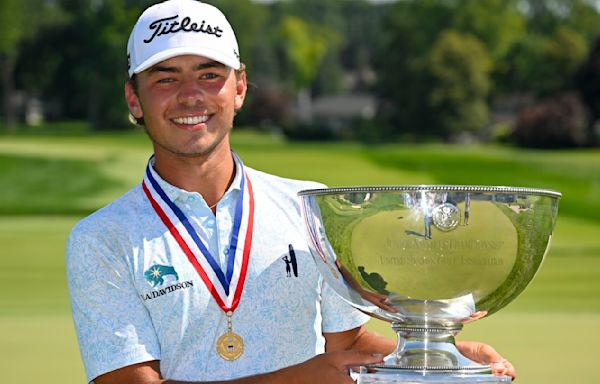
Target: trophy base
{"points": [[426, 354], [371, 375]]}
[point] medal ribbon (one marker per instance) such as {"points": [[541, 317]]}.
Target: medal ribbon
{"points": [[226, 288]]}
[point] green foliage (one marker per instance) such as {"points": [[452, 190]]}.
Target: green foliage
{"points": [[12, 25], [305, 45], [545, 64], [459, 66], [85, 74], [588, 84], [545, 16], [411, 28], [565, 51], [497, 23], [71, 54], [585, 19], [574, 173], [250, 21]]}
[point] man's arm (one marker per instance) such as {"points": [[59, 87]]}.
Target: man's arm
{"points": [[327, 368], [361, 339]]}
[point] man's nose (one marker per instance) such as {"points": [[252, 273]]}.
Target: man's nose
{"points": [[190, 92]]}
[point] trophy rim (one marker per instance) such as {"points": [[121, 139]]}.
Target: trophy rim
{"points": [[431, 188]]}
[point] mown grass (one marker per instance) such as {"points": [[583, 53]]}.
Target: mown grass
{"points": [[549, 332], [575, 174]]}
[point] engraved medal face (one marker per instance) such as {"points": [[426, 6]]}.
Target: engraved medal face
{"points": [[230, 346], [446, 217]]}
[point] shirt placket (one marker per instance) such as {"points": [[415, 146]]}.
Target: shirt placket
{"points": [[202, 220], [224, 223]]}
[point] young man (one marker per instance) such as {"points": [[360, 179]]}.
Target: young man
{"points": [[183, 279]]}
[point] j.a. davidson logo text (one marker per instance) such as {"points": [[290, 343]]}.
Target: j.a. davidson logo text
{"points": [[156, 275], [166, 290], [171, 25]]}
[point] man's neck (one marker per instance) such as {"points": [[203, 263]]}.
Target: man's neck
{"points": [[209, 175]]}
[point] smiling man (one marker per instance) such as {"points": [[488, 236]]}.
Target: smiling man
{"points": [[184, 278]]}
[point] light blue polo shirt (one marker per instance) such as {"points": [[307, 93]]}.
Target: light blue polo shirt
{"points": [[135, 296]]}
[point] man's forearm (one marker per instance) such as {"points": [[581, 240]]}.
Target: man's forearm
{"points": [[277, 377], [330, 368], [374, 343]]}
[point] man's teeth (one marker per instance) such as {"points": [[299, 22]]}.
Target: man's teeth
{"points": [[191, 120]]}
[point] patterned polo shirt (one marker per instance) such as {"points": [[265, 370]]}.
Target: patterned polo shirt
{"points": [[135, 296]]}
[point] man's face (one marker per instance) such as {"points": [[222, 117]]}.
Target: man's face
{"points": [[188, 104]]}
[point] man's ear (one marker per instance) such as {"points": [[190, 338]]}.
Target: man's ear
{"points": [[240, 90], [133, 101]]}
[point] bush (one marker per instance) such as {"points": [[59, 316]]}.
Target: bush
{"points": [[556, 122]]}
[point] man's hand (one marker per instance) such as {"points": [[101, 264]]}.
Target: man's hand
{"points": [[484, 354], [361, 339]]}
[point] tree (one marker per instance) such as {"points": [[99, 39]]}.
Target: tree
{"points": [[107, 29], [79, 63], [12, 21], [588, 83], [459, 66], [14, 27], [362, 32], [555, 122], [497, 23], [545, 16], [585, 19], [544, 64], [249, 21], [565, 51], [411, 28], [325, 18], [305, 46]]}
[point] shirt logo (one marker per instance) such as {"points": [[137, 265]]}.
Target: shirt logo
{"points": [[156, 273], [291, 264]]}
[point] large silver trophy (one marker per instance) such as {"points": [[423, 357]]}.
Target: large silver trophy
{"points": [[429, 259]]}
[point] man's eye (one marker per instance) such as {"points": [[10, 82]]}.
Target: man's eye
{"points": [[165, 80], [209, 76]]}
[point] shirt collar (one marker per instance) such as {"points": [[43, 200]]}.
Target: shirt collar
{"points": [[176, 194]]}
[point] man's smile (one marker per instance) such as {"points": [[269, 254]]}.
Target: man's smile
{"points": [[191, 120]]}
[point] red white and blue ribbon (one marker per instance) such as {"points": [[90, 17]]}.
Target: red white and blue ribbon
{"points": [[226, 287]]}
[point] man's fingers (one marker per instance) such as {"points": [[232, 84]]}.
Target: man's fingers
{"points": [[503, 368], [479, 352], [484, 354]]}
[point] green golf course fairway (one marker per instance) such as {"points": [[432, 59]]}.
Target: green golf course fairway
{"points": [[550, 332]]}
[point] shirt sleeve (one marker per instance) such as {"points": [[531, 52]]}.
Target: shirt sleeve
{"points": [[339, 315], [113, 327]]}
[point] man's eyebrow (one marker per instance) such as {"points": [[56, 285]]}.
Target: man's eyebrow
{"points": [[199, 67], [160, 68], [209, 64]]}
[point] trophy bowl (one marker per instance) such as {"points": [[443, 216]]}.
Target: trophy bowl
{"points": [[429, 259]]}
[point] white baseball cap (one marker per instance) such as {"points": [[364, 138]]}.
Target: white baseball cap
{"points": [[181, 27]]}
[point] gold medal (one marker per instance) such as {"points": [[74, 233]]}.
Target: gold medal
{"points": [[230, 346]]}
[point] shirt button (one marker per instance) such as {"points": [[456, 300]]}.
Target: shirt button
{"points": [[190, 199], [226, 251]]}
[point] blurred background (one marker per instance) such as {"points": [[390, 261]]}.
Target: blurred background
{"points": [[345, 92]]}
